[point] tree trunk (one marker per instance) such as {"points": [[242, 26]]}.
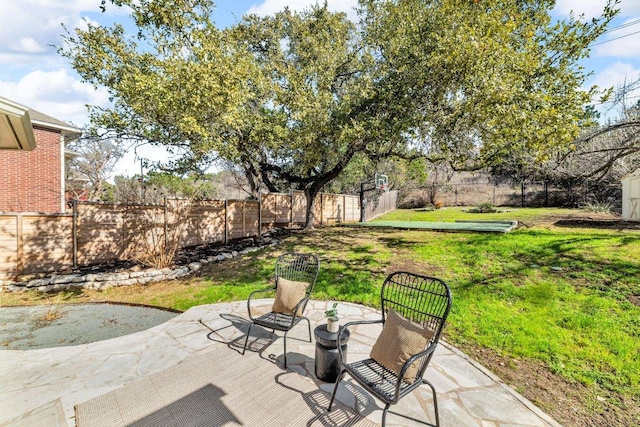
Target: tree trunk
{"points": [[310, 218]]}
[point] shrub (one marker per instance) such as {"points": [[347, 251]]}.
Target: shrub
{"points": [[484, 208], [599, 207]]}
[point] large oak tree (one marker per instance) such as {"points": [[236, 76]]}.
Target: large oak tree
{"points": [[295, 97]]}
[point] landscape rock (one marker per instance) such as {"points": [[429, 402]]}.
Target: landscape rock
{"points": [[56, 280], [145, 280], [38, 283], [136, 274], [113, 277], [152, 272]]}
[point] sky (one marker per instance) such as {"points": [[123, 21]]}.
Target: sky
{"points": [[32, 73]]}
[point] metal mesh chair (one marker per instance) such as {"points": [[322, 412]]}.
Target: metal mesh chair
{"points": [[426, 301], [295, 267]]}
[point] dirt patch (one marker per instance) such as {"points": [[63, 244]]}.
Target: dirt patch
{"points": [[570, 403]]}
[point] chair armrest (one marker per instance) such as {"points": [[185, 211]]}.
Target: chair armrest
{"points": [[251, 296], [301, 304], [425, 353]]}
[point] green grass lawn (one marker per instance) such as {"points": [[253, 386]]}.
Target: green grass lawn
{"points": [[564, 297]]}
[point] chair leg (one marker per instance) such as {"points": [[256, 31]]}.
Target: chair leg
{"points": [[435, 401], [285, 349], [246, 340], [309, 324], [335, 389], [384, 414]]}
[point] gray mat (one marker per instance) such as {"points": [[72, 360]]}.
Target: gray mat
{"points": [[220, 388]]}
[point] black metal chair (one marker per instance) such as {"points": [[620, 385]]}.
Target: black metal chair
{"points": [[293, 267], [425, 302]]}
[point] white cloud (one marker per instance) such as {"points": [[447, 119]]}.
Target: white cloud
{"points": [[30, 28], [28, 45], [616, 75], [270, 7], [590, 8], [593, 8], [55, 93]]}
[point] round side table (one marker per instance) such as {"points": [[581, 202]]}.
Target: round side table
{"points": [[327, 363]]}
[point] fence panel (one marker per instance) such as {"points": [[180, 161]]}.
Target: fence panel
{"points": [[33, 243], [100, 233], [242, 218], [107, 232], [209, 223], [48, 243], [380, 204], [299, 207], [352, 209], [276, 209], [8, 246], [143, 231]]}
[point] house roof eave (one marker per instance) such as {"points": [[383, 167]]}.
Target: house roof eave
{"points": [[16, 132]]}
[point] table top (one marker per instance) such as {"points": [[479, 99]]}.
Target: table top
{"points": [[328, 339]]}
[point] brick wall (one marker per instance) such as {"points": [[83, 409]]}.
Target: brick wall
{"points": [[30, 180]]}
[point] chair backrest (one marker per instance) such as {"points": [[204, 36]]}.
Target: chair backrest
{"points": [[299, 268], [422, 299]]}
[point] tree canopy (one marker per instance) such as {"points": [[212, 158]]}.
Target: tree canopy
{"points": [[296, 97]]}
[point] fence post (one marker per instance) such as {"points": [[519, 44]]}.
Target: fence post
{"points": [[546, 194], [455, 203], [259, 215], [166, 230], [362, 219], [74, 231], [344, 208], [522, 193], [226, 221], [291, 209], [495, 184], [244, 218], [123, 244], [19, 246]]}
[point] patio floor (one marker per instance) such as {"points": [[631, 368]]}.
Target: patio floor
{"points": [[194, 359]]}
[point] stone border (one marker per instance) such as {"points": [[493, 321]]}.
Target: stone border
{"points": [[101, 281]]}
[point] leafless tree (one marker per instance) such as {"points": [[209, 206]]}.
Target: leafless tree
{"points": [[93, 159], [605, 153]]}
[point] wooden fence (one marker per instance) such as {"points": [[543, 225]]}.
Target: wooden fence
{"points": [[380, 204], [96, 233]]}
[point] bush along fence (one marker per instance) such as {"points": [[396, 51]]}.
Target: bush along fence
{"points": [[96, 233]]}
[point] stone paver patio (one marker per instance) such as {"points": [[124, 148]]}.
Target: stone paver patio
{"points": [[42, 387]]}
